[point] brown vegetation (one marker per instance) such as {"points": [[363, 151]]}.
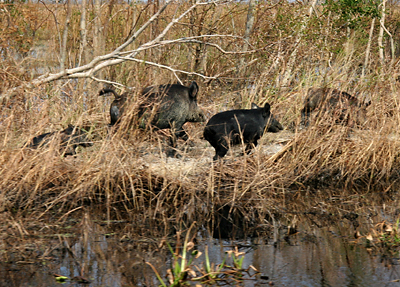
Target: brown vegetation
{"points": [[126, 172]]}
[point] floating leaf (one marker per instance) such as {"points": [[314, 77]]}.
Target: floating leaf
{"points": [[61, 279]]}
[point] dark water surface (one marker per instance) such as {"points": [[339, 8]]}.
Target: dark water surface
{"points": [[311, 257]]}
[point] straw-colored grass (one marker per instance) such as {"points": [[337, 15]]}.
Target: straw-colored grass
{"points": [[126, 171]]}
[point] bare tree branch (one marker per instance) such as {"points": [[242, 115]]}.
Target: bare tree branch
{"points": [[55, 21], [119, 56], [85, 71], [109, 82], [194, 41], [167, 68]]}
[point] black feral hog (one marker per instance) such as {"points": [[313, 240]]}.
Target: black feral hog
{"points": [[170, 107], [230, 127], [345, 108], [68, 140], [117, 106]]}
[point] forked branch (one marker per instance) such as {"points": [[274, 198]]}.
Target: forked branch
{"points": [[120, 55]]}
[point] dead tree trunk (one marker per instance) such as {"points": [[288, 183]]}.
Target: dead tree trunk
{"points": [[247, 32], [367, 52], [97, 32], [83, 52], [97, 36], [63, 52], [380, 36]]}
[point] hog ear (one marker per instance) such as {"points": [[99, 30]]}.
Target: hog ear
{"points": [[254, 106], [193, 89], [267, 109]]}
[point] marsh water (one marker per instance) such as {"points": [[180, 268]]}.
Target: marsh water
{"points": [[311, 256]]}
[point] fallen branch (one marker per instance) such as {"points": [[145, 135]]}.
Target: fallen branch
{"points": [[119, 55], [88, 70]]}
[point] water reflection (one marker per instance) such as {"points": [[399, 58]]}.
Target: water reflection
{"points": [[317, 257], [327, 261]]}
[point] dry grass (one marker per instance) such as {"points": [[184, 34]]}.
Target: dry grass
{"points": [[126, 173]]}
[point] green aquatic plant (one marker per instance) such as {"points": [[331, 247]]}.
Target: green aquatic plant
{"points": [[237, 257], [181, 263], [211, 272], [183, 270]]}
